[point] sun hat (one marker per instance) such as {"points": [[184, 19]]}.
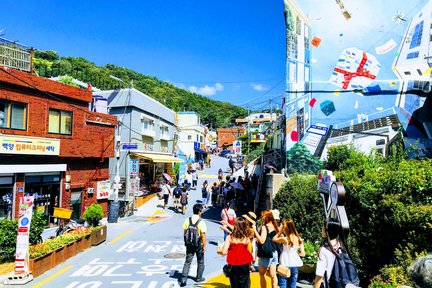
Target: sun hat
{"points": [[250, 216], [276, 214]]}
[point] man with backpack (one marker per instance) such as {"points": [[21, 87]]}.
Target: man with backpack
{"points": [[177, 195], [195, 241], [334, 267]]}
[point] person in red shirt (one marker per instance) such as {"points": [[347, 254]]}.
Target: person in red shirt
{"points": [[239, 258]]}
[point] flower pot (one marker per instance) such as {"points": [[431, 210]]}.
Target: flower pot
{"points": [[98, 236], [40, 265], [86, 242], [58, 256], [70, 250], [308, 268]]}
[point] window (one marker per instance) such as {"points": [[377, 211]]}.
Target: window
{"points": [[298, 25], [148, 125], [60, 122], [418, 33], [189, 137], [407, 73], [13, 115], [412, 55], [201, 139], [419, 72]]}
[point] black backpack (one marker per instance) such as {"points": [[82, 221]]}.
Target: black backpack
{"points": [[177, 192], [344, 272], [204, 191], [191, 237]]}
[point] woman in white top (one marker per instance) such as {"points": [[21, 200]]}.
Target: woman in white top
{"points": [[293, 248], [327, 255]]}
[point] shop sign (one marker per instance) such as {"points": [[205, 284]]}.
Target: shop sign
{"points": [[237, 147], [197, 145], [24, 219], [134, 167], [103, 189], [325, 179], [11, 144], [129, 146], [148, 147]]}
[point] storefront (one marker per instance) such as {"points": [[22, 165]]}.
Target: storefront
{"points": [[6, 196]]}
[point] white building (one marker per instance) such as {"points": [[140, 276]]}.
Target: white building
{"points": [[373, 136], [413, 66], [298, 76], [191, 135]]}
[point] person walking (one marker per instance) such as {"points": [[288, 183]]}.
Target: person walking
{"points": [[214, 194], [292, 249], [228, 216], [195, 241], [176, 196], [220, 174], [267, 261], [204, 194], [189, 179], [166, 191], [231, 164], [238, 255], [184, 199], [194, 179]]}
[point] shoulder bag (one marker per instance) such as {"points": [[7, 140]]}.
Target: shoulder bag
{"points": [[266, 249]]}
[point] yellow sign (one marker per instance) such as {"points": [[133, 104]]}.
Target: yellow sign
{"points": [[11, 144], [40, 209]]}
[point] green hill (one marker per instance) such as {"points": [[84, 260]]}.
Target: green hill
{"points": [[215, 113]]}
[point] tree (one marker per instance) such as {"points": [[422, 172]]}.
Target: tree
{"points": [[300, 160]]}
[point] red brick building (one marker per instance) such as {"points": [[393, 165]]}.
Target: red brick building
{"points": [[51, 146], [226, 136]]}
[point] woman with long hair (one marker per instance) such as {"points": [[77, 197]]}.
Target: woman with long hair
{"points": [[228, 215], [238, 255], [292, 249], [268, 230]]}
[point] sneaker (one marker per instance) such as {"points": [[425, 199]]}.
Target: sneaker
{"points": [[182, 284], [202, 279]]}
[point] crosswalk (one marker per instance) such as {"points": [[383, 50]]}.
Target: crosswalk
{"points": [[211, 176]]}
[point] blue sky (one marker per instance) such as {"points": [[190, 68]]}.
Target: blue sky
{"points": [[226, 50]]}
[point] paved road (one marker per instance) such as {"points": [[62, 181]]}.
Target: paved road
{"points": [[144, 250]]}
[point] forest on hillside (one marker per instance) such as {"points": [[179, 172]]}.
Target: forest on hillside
{"points": [[213, 113]]}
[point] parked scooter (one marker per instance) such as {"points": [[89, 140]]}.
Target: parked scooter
{"points": [[69, 226]]}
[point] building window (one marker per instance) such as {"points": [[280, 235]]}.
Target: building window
{"points": [[148, 125], [407, 73], [416, 38], [189, 137], [306, 37], [298, 25], [13, 115], [201, 139], [60, 122], [412, 55], [164, 131], [419, 72]]}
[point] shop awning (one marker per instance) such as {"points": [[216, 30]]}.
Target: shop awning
{"points": [[158, 158]]}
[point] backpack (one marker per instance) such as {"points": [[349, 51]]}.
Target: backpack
{"points": [[191, 237], [177, 192], [204, 192], [183, 198], [344, 272]]}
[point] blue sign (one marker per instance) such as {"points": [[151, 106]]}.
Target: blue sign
{"points": [[318, 130], [197, 145], [134, 167], [24, 221], [129, 146], [20, 189]]}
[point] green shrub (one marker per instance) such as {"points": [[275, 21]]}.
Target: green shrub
{"points": [[311, 250], [37, 226], [8, 233], [300, 160], [299, 199], [93, 214]]}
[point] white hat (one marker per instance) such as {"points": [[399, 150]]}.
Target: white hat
{"points": [[276, 214]]}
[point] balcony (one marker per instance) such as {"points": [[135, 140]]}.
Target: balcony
{"points": [[148, 132], [165, 137]]}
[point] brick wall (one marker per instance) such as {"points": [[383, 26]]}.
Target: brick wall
{"points": [[226, 136]]}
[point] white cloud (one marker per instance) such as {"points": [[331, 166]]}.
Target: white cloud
{"points": [[258, 87], [206, 90]]}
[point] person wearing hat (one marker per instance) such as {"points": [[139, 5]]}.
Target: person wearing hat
{"points": [[251, 218]]}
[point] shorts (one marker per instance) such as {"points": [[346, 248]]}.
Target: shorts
{"points": [[266, 262], [176, 201]]}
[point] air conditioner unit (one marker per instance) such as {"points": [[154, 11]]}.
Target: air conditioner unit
{"points": [[142, 116]]}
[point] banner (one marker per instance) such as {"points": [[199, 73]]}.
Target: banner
{"points": [[24, 219]]}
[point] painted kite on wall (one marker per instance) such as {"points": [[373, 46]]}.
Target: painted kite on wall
{"points": [[355, 69], [327, 107]]}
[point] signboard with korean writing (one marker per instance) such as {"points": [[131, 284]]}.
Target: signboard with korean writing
{"points": [[134, 167], [318, 130], [103, 189], [22, 245], [11, 144], [129, 146]]}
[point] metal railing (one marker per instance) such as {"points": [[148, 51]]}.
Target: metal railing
{"points": [[14, 57]]}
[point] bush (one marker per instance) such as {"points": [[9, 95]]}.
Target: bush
{"points": [[93, 214], [311, 251], [8, 233], [299, 199], [300, 160], [37, 226]]}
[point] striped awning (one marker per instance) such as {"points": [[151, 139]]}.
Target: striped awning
{"points": [[158, 158]]}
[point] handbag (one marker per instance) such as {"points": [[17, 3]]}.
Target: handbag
{"points": [[283, 271], [266, 249], [227, 270]]}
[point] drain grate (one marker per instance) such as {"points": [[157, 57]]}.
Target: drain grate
{"points": [[174, 255]]}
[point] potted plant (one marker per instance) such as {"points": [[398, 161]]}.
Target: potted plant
{"points": [[93, 215]]}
